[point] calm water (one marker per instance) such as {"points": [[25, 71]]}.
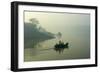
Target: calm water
{"points": [[78, 49]]}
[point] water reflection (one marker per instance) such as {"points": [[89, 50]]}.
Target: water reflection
{"points": [[45, 46]]}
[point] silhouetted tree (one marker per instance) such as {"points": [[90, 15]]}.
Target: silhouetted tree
{"points": [[59, 35], [34, 21]]}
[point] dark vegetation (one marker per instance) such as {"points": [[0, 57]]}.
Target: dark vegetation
{"points": [[34, 34]]}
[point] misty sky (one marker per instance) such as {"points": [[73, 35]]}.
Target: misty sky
{"points": [[70, 24], [62, 21]]}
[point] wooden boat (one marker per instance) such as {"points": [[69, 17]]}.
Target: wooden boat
{"points": [[61, 45]]}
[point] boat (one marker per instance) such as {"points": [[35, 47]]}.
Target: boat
{"points": [[61, 45]]}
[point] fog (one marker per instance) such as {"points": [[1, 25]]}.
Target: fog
{"points": [[75, 29]]}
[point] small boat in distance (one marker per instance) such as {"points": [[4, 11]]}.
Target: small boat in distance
{"points": [[61, 45]]}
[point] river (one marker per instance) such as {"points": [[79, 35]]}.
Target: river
{"points": [[44, 51]]}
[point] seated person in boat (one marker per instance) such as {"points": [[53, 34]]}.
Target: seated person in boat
{"points": [[61, 45]]}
